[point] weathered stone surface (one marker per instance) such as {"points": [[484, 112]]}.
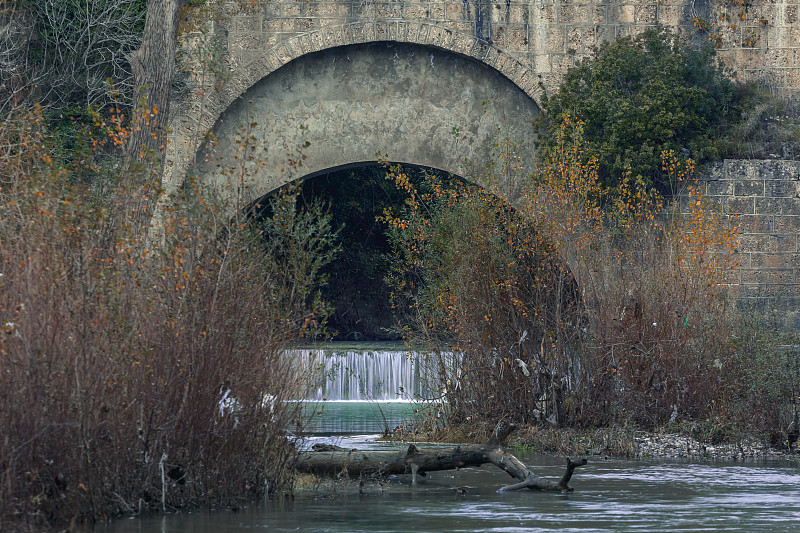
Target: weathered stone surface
{"points": [[765, 198], [400, 102]]}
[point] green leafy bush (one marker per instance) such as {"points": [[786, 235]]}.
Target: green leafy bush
{"points": [[640, 96]]}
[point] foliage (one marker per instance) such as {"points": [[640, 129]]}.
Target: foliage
{"points": [[117, 355], [356, 288], [483, 291], [565, 313], [769, 127], [762, 365], [639, 96]]}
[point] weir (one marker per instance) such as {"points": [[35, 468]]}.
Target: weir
{"points": [[362, 374]]}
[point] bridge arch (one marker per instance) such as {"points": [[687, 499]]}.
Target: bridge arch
{"points": [[509, 87]]}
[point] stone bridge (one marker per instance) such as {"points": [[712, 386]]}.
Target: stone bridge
{"points": [[433, 83], [442, 84]]}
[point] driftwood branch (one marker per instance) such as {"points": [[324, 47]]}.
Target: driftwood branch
{"points": [[338, 462]]}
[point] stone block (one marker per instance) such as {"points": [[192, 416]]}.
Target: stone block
{"points": [[778, 206], [284, 54], [478, 50], [749, 58], [554, 42], [416, 12], [560, 63], [292, 9], [775, 260], [391, 31], [453, 11], [414, 32], [436, 11], [599, 15], [246, 24], [779, 58], [741, 205], [243, 43], [381, 31], [503, 64], [754, 242], [780, 276], [369, 32], [754, 223], [714, 171], [518, 14], [516, 39], [273, 8], [547, 14], [792, 76], [551, 81], [737, 169], [490, 58], [719, 187], [670, 15], [402, 30], [434, 36], [467, 28], [748, 188], [786, 224], [646, 14], [790, 16], [573, 14], [627, 14], [273, 25], [781, 189], [447, 40], [784, 243], [756, 293]]}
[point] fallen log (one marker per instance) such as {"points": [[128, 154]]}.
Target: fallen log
{"points": [[339, 462]]}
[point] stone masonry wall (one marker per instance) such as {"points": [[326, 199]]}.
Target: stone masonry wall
{"points": [[544, 35], [765, 197]]}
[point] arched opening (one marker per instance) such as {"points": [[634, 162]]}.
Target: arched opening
{"points": [[358, 199]]}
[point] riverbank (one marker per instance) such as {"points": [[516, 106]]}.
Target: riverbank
{"points": [[686, 441]]}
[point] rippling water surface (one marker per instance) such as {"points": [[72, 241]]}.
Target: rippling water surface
{"points": [[609, 496]]}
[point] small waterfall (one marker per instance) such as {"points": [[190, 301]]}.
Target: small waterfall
{"points": [[362, 374]]}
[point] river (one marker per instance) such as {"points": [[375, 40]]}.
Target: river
{"points": [[610, 495]]}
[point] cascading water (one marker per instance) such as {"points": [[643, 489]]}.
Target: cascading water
{"points": [[362, 389], [363, 374]]}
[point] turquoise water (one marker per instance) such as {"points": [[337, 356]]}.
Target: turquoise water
{"points": [[359, 418]]}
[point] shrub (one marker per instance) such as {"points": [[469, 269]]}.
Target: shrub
{"points": [[640, 96], [564, 312], [116, 356], [488, 299]]}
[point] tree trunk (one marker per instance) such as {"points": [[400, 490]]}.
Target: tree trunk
{"points": [[153, 66], [335, 461]]}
